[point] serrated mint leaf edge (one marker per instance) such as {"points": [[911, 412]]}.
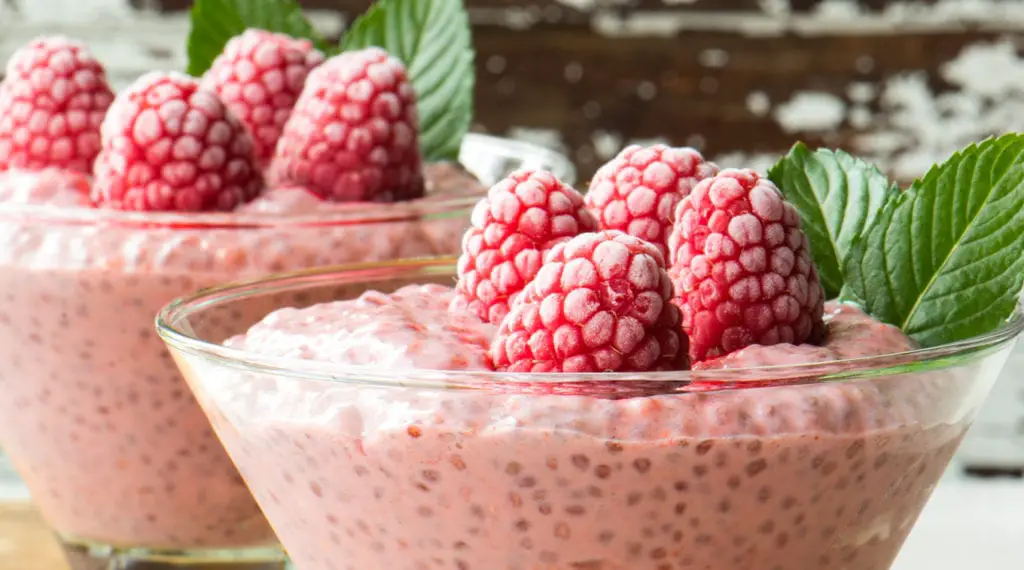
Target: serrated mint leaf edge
{"points": [[438, 86], [813, 180], [812, 219], [983, 313], [855, 288], [1005, 301]]}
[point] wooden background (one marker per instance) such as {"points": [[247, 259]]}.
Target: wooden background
{"points": [[903, 82]]}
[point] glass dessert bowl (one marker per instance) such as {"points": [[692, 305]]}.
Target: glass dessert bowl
{"points": [[96, 418], [405, 464]]}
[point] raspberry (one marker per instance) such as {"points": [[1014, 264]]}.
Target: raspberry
{"points": [[259, 75], [637, 191], [601, 303], [52, 101], [742, 267], [169, 145], [520, 218], [353, 134]]}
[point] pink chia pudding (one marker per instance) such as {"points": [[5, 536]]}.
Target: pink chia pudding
{"points": [[97, 420], [399, 457]]}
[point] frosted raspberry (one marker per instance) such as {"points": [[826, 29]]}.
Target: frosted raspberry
{"points": [[259, 75], [353, 134], [52, 100], [600, 303], [742, 267], [520, 218], [169, 145], [637, 191]]}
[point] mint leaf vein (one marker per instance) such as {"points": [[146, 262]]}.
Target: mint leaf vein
{"points": [[837, 196], [944, 261]]}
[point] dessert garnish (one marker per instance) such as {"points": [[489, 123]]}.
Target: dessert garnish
{"points": [[838, 196], [940, 261], [519, 220], [267, 103], [742, 267], [53, 98], [637, 191], [170, 145], [439, 61], [259, 76], [352, 135], [602, 302]]}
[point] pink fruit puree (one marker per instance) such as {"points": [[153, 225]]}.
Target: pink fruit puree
{"points": [[356, 477], [95, 416]]}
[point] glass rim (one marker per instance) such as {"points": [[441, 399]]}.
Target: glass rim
{"points": [[175, 312], [355, 213]]}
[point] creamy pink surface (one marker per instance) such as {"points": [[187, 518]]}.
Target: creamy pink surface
{"points": [[824, 476], [95, 415]]}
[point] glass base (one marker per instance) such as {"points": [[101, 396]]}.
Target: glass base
{"points": [[10, 483], [994, 472], [89, 556]]}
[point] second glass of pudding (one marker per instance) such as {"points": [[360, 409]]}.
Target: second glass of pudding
{"points": [[95, 416], [795, 458]]}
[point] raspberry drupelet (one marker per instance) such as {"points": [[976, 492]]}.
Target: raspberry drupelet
{"points": [[637, 192], [169, 145], [259, 76], [52, 101], [742, 267], [521, 217], [600, 303], [353, 134]]}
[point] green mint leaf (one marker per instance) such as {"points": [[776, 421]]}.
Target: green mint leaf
{"points": [[433, 39], [944, 260], [838, 196], [214, 22]]}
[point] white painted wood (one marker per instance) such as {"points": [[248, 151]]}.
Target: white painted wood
{"points": [[906, 126], [129, 42]]}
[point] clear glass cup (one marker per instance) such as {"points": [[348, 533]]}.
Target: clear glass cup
{"points": [[364, 469], [11, 487], [995, 445], [95, 417]]}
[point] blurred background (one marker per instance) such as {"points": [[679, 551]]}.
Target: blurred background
{"points": [[903, 82], [900, 82]]}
